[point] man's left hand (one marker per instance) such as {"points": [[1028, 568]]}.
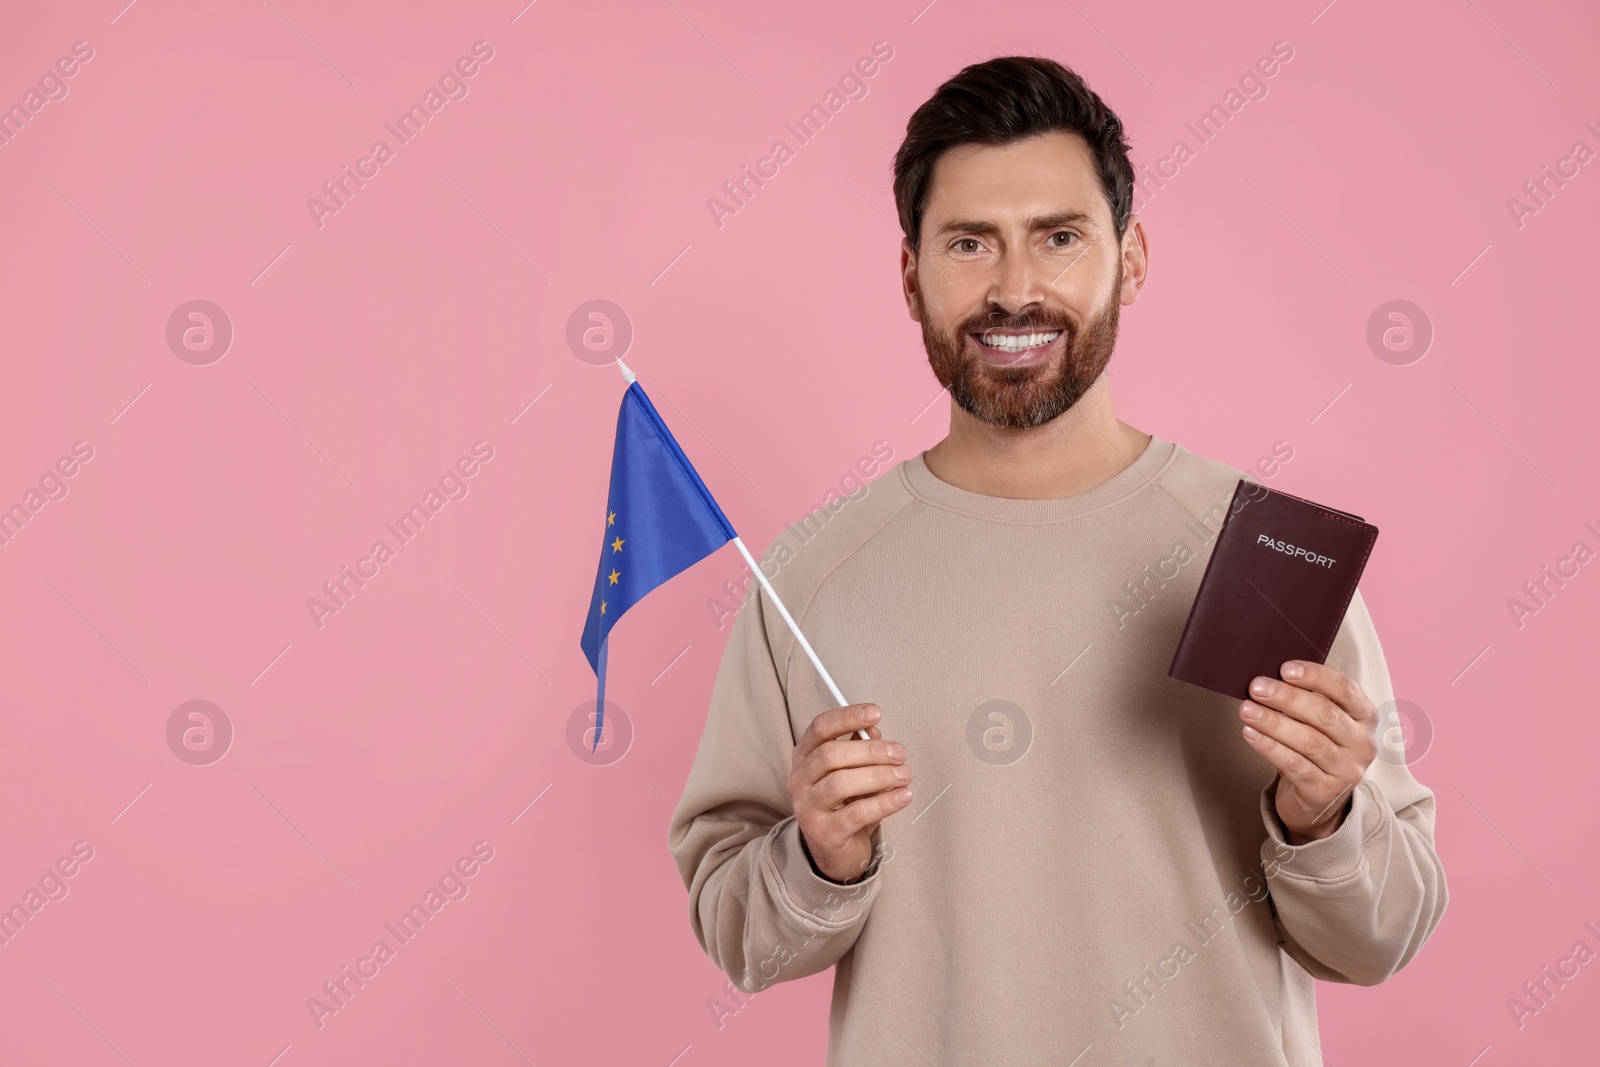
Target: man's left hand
{"points": [[1319, 730]]}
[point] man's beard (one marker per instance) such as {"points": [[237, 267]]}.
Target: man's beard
{"points": [[1023, 397]]}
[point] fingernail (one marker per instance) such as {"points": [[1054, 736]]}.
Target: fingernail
{"points": [[871, 713], [1293, 670], [1261, 687], [896, 750], [903, 773], [903, 796], [1250, 711], [1251, 732]]}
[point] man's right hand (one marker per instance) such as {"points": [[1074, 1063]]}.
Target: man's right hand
{"points": [[842, 787]]}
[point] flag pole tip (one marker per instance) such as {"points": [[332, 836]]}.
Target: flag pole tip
{"points": [[627, 375]]}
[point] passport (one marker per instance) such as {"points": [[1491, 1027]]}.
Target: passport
{"points": [[1277, 586]]}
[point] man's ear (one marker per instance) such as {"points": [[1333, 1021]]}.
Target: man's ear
{"points": [[1135, 254], [909, 281]]}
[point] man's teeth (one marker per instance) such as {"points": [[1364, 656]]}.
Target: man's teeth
{"points": [[1017, 343]]}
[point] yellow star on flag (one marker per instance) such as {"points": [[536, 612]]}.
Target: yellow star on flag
{"points": [[615, 574], [616, 546]]}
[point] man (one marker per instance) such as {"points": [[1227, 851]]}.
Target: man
{"points": [[1048, 849]]}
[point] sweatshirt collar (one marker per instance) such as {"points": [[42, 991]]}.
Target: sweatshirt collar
{"points": [[926, 486]]}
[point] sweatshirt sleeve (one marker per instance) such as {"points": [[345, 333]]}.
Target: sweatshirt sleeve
{"points": [[757, 906], [1357, 905]]}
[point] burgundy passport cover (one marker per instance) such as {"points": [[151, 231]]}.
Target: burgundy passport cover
{"points": [[1276, 588]]}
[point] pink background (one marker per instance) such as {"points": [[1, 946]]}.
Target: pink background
{"points": [[370, 353]]}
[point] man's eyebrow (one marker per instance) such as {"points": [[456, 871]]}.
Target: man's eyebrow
{"points": [[1038, 222]]}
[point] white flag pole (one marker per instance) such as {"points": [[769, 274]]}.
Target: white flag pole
{"points": [[794, 628]]}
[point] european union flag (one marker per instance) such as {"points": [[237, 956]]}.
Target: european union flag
{"points": [[660, 519]]}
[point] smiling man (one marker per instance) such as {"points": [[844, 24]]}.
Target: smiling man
{"points": [[1048, 851]]}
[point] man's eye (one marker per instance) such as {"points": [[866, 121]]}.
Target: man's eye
{"points": [[1062, 233], [960, 241]]}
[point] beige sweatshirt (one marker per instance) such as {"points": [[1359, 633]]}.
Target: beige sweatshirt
{"points": [[1091, 870]]}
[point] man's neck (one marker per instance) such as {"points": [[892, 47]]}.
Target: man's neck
{"points": [[1083, 447]]}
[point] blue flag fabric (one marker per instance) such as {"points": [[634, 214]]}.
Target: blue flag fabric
{"points": [[660, 520]]}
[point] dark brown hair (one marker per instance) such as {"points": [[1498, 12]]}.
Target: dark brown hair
{"points": [[1001, 101]]}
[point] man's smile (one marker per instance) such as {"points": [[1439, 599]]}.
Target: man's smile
{"points": [[1015, 348]]}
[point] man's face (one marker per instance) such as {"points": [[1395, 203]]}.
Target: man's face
{"points": [[1019, 278]]}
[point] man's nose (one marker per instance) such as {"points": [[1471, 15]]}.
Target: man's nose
{"points": [[1019, 280]]}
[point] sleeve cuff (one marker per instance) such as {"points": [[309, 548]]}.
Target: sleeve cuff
{"points": [[1331, 859], [811, 899]]}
